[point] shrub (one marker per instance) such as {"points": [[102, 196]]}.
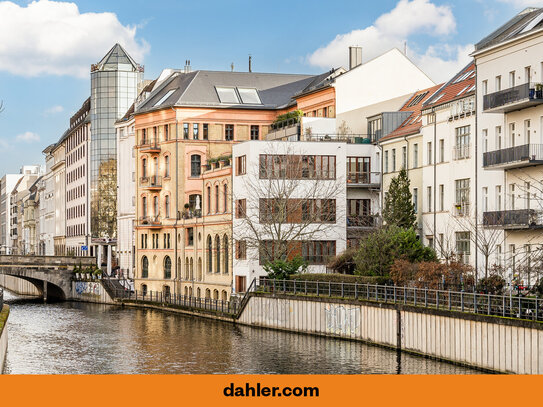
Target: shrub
{"points": [[343, 263], [493, 284], [431, 274], [342, 278], [282, 269]]}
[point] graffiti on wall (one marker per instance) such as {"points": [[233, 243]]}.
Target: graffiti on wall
{"points": [[87, 288], [341, 320]]}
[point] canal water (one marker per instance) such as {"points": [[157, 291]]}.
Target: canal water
{"points": [[82, 338]]}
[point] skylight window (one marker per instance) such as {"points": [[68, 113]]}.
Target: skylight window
{"points": [[249, 95], [163, 98], [417, 99], [471, 89], [439, 97], [227, 95], [462, 91]]}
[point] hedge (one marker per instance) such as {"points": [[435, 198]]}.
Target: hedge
{"points": [[342, 278]]}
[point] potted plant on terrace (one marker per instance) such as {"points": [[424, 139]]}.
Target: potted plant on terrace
{"points": [[539, 90]]}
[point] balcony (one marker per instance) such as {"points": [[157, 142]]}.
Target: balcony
{"points": [[151, 183], [362, 221], [514, 157], [511, 99], [462, 151], [288, 129], [364, 179], [151, 222], [149, 145], [338, 138], [514, 219]]}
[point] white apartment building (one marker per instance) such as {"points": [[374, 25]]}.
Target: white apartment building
{"points": [[330, 189], [510, 120], [47, 206], [7, 183], [58, 169]]}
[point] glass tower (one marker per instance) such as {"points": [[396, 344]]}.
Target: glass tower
{"points": [[115, 82]]}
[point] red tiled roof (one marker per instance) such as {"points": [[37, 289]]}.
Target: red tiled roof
{"points": [[460, 86], [413, 123]]}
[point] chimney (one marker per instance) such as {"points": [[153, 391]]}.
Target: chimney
{"points": [[355, 57], [232, 67], [188, 69], [250, 70]]}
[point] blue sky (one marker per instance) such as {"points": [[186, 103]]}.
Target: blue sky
{"points": [[46, 47]]}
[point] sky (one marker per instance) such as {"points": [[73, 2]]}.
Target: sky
{"points": [[47, 47]]}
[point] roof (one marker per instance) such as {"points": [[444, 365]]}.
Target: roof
{"points": [[321, 81], [529, 19], [414, 104], [130, 112], [198, 88], [116, 59], [459, 86]]}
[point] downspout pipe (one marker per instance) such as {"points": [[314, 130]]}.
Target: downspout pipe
{"points": [[176, 202], [476, 160]]}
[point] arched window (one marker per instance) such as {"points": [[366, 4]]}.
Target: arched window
{"points": [[224, 295], [200, 277], [208, 200], [167, 166], [186, 291], [216, 199], [144, 267], [155, 205], [144, 167], [167, 268], [225, 197], [195, 165], [209, 254], [208, 293], [191, 269], [226, 257], [186, 268], [218, 251], [156, 166], [215, 294], [167, 206], [144, 289], [198, 292], [190, 291], [144, 206], [178, 267]]}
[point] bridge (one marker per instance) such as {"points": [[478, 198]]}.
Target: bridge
{"points": [[51, 275]]}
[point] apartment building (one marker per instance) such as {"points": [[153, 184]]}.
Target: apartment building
{"points": [[58, 169], [47, 205], [7, 183], [19, 242], [192, 118], [510, 120], [403, 147]]}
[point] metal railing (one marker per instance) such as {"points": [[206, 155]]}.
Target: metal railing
{"points": [[149, 143], [525, 152], [347, 138], [1, 298], [154, 181], [150, 220], [363, 178], [462, 151], [362, 221], [168, 299], [518, 217], [518, 93], [510, 306]]}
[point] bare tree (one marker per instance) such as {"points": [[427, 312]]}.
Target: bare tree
{"points": [[289, 198]]}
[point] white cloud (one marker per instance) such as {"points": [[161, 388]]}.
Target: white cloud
{"points": [[49, 37], [523, 3], [393, 29], [27, 137], [53, 110]]}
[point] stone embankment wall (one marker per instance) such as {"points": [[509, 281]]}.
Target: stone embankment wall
{"points": [[18, 285], [490, 343], [90, 291], [4, 313]]}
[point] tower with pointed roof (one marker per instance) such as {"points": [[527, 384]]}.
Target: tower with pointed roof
{"points": [[114, 87]]}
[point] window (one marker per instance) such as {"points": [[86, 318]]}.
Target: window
{"points": [[429, 198], [498, 135], [155, 205], [209, 254], [186, 131], [498, 197], [167, 268], [241, 208], [167, 205], [386, 161], [195, 131], [527, 74], [462, 147], [318, 251], [416, 199], [208, 200], [359, 170], [429, 154], [498, 83], [511, 79], [499, 255], [463, 246], [512, 196], [375, 129], [415, 155], [527, 196], [241, 250], [166, 132], [216, 199], [513, 257], [190, 236], [167, 166], [511, 134], [205, 131], [485, 199], [144, 267], [144, 167], [225, 198], [249, 96], [226, 256], [297, 166], [393, 159], [255, 132], [217, 254], [227, 95], [441, 150], [404, 157], [144, 206], [195, 165], [527, 132], [441, 197], [240, 165], [163, 98], [194, 202], [359, 212], [484, 87], [229, 132], [485, 140]]}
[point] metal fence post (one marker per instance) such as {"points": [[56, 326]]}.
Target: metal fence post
{"points": [[305, 287], [342, 290], [317, 288], [386, 294], [449, 299], [376, 292], [414, 296], [475, 302], [426, 297], [503, 306], [405, 295], [355, 291], [284, 286], [329, 289], [519, 307], [294, 282], [488, 303], [536, 309], [437, 299], [462, 300], [394, 293], [367, 291]]}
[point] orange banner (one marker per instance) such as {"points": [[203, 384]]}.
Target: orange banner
{"points": [[252, 390]]}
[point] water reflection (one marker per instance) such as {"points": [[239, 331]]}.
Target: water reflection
{"points": [[80, 338]]}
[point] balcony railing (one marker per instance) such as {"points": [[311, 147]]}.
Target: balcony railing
{"points": [[149, 145], [363, 179], [462, 151], [345, 138], [153, 221], [519, 156], [152, 182], [514, 219], [362, 221], [517, 97]]}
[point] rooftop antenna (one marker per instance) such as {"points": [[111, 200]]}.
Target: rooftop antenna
{"points": [[232, 67], [250, 70]]}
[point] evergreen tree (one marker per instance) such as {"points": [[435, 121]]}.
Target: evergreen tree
{"points": [[399, 210]]}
